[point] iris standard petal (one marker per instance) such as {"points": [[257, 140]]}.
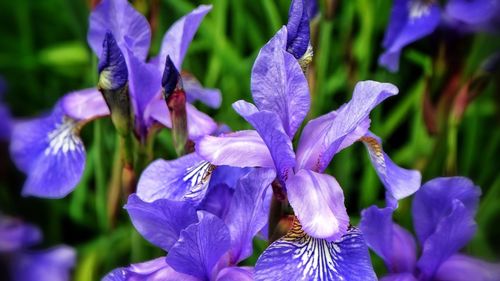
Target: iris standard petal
{"points": [[177, 39], [461, 267], [472, 12], [123, 21], [326, 135], [235, 273], [16, 235], [434, 202], [200, 247], [85, 104], [298, 28], [318, 203], [195, 91], [160, 222], [50, 152], [298, 256], [238, 149], [279, 85], [249, 211]]}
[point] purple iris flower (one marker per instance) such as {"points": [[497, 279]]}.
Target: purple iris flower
{"points": [[5, 118], [412, 20], [204, 242], [24, 264], [49, 149], [443, 218]]}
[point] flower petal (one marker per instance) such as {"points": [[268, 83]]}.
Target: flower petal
{"points": [[85, 104], [298, 256], [177, 39], [328, 134], [279, 85], [434, 202], [399, 182], [50, 152], [249, 211], [318, 203], [119, 17], [5, 123], [298, 28], [399, 277], [472, 12], [238, 149], [200, 247], [235, 273], [16, 235], [160, 222], [194, 92], [388, 240], [461, 267]]}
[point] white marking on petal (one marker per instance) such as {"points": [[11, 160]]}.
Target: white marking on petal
{"points": [[198, 178], [418, 8], [63, 138]]}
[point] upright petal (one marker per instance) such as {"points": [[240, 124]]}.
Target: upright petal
{"points": [[238, 149], [461, 267], [272, 132], [235, 273], [399, 277], [435, 200], [249, 211], [298, 256], [318, 203], [388, 240], [298, 28], [179, 36], [50, 152], [326, 135], [48, 265], [399, 182], [85, 104], [127, 25], [279, 85], [195, 91], [218, 200], [160, 222], [200, 247], [16, 235]]}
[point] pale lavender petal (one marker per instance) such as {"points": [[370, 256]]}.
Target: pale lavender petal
{"points": [[271, 130], [279, 85], [333, 132], [85, 104], [434, 202], [318, 203], [461, 268], [200, 246], [472, 11], [177, 39], [153, 270], [249, 211], [194, 92], [48, 265], [399, 182], [50, 152], [161, 221], [16, 235], [235, 273], [298, 256], [298, 28], [388, 240], [399, 277], [239, 149], [451, 234], [127, 25]]}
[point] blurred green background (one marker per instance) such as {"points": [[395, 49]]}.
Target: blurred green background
{"points": [[44, 54]]}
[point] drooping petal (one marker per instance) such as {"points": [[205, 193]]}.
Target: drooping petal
{"points": [[84, 104], [153, 270], [279, 85], [318, 203], [48, 265], [235, 273], [298, 256], [249, 211], [195, 91], [434, 202], [472, 12], [328, 134], [15, 234], [399, 182], [461, 267], [410, 20], [177, 39], [298, 28], [271, 130], [160, 222], [50, 152], [127, 25], [388, 240], [200, 247], [451, 234], [238, 149]]}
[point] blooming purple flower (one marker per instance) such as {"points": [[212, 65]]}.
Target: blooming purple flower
{"points": [[443, 218], [16, 237], [204, 242], [49, 149]]}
